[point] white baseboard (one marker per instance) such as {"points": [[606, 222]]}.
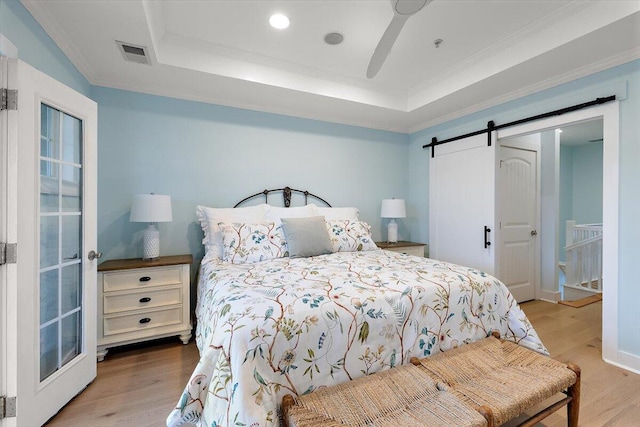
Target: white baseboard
{"points": [[626, 361], [550, 296]]}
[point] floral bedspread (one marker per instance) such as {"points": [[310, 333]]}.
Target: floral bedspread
{"points": [[282, 326]]}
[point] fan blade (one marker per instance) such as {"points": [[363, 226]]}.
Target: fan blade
{"points": [[385, 44]]}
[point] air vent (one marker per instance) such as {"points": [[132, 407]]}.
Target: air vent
{"points": [[134, 53]]}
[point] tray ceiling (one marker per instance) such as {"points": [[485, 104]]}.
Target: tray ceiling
{"points": [[225, 52]]}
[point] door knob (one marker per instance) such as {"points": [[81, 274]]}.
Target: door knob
{"points": [[534, 233], [93, 255]]}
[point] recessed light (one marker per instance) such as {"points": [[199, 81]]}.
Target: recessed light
{"points": [[279, 21], [333, 38]]}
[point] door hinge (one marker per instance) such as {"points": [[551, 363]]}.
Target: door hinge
{"points": [[7, 407], [8, 253], [9, 99]]}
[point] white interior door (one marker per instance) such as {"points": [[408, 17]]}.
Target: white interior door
{"points": [[56, 223], [4, 148], [462, 203], [518, 218]]}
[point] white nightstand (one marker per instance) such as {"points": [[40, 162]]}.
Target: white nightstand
{"points": [[408, 248], [143, 300]]}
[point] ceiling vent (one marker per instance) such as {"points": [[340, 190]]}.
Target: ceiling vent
{"points": [[134, 53]]}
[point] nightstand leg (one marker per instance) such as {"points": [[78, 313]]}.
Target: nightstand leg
{"points": [[185, 337], [101, 353]]}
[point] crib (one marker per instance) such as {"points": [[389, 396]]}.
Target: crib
{"points": [[583, 264]]}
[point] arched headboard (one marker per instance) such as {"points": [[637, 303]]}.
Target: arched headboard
{"points": [[286, 195]]}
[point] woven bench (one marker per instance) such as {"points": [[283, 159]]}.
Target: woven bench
{"points": [[486, 383], [404, 396], [506, 379]]}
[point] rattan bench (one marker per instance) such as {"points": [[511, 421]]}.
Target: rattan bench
{"points": [[486, 383], [402, 396], [506, 380]]}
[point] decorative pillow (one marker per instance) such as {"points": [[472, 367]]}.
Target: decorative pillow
{"points": [[210, 217], [244, 242], [306, 236], [350, 236], [331, 214], [275, 213]]}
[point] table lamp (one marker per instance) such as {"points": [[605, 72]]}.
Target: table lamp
{"points": [[151, 208], [393, 208]]}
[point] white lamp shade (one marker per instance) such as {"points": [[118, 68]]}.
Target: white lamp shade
{"points": [[151, 208], [393, 208]]}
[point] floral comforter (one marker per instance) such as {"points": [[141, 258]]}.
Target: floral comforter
{"points": [[283, 326]]}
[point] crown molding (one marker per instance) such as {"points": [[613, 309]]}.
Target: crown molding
{"points": [[56, 33], [572, 75]]}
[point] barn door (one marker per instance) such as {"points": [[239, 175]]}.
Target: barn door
{"points": [[462, 203]]}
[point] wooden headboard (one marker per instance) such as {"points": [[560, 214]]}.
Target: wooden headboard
{"points": [[286, 195]]}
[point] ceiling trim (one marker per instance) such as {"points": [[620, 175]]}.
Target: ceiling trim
{"points": [[54, 31], [592, 68], [270, 109]]}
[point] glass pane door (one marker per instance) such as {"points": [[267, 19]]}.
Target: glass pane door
{"points": [[60, 239]]}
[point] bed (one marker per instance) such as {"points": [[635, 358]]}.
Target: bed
{"points": [[270, 322]]}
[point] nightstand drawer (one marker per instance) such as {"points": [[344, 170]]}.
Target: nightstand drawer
{"points": [[143, 277], [142, 320], [118, 302]]}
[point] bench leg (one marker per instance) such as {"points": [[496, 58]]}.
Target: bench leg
{"points": [[287, 402], [487, 413], [573, 408]]}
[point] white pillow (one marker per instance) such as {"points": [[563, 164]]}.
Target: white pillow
{"points": [[331, 214], [210, 217], [274, 213]]}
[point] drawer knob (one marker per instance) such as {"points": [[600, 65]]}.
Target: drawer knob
{"points": [[145, 299], [145, 320], [145, 279]]}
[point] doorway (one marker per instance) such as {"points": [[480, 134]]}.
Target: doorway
{"points": [[581, 190], [609, 113]]}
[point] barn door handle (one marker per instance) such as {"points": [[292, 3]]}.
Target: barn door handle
{"points": [[487, 243]]}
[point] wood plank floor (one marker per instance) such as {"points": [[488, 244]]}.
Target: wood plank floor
{"points": [[139, 386]]}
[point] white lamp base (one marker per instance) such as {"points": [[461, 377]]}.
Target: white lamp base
{"points": [[392, 231], [151, 243]]}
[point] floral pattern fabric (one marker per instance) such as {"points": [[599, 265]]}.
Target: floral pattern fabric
{"points": [[350, 236], [245, 242], [291, 326]]}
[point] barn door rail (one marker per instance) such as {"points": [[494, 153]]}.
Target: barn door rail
{"points": [[491, 126]]}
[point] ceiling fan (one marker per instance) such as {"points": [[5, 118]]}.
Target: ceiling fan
{"points": [[402, 10]]}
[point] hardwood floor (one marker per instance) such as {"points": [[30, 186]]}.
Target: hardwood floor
{"points": [[136, 386], [139, 386]]}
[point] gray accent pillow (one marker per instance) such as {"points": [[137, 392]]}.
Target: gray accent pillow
{"points": [[306, 236]]}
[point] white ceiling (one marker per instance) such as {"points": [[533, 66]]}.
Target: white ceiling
{"points": [[225, 52]]}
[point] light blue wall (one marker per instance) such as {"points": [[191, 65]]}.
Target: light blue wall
{"points": [[580, 187], [36, 48], [214, 155], [587, 183], [566, 195], [624, 79]]}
